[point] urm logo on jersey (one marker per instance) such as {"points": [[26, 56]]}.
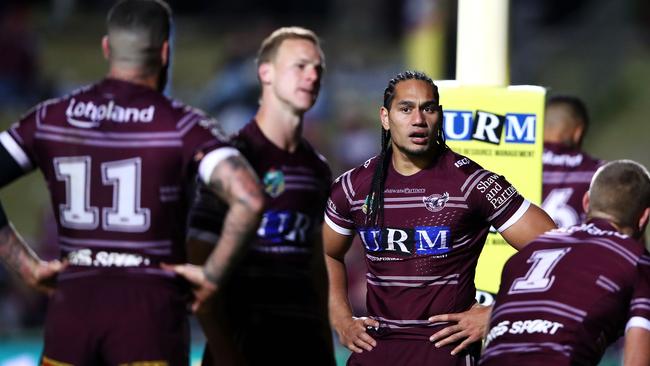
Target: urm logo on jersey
{"points": [[278, 226], [421, 240], [489, 127]]}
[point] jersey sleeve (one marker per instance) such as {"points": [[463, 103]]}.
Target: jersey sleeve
{"points": [[18, 140], [201, 135], [337, 212], [639, 315], [496, 200]]}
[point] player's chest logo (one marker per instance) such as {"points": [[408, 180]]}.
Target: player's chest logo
{"points": [[435, 202], [367, 205], [274, 182]]}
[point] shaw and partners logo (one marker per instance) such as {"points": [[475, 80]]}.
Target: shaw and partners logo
{"points": [[489, 127], [90, 115], [421, 240]]}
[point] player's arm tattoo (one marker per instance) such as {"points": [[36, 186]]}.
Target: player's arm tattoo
{"points": [[234, 181], [15, 254]]}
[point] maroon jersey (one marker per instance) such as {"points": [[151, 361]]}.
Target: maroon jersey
{"points": [[566, 178], [296, 186], [640, 304], [422, 261], [273, 287], [564, 298], [116, 157]]}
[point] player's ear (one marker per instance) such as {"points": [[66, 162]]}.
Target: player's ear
{"points": [[577, 135], [383, 115], [106, 49], [265, 72], [643, 220], [585, 202], [164, 53]]}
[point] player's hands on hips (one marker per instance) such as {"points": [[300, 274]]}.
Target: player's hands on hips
{"points": [[203, 288], [352, 334], [44, 273], [469, 327]]}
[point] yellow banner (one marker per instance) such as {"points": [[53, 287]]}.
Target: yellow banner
{"points": [[500, 128]]}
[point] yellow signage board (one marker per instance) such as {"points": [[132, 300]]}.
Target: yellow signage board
{"points": [[501, 128]]}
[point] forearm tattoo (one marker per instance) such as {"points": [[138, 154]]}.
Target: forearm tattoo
{"points": [[236, 183], [14, 253]]}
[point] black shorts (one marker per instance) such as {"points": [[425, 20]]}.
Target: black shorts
{"points": [[270, 325]]}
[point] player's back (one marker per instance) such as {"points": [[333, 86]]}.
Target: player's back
{"points": [[563, 298], [116, 157], [566, 177]]}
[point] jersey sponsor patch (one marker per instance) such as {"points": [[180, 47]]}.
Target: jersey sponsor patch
{"points": [[281, 226], [420, 240], [90, 115], [104, 258], [530, 326], [274, 182]]}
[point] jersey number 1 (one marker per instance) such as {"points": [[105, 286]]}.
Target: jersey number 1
{"points": [[538, 278], [125, 215]]}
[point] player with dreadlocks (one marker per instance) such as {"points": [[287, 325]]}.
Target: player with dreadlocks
{"points": [[423, 213]]}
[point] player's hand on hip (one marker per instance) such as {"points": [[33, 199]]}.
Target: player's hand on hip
{"points": [[466, 327], [203, 289], [44, 275], [352, 334]]}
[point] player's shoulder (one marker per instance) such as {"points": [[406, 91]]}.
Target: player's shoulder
{"points": [[644, 260], [186, 116], [601, 232], [458, 164], [317, 159], [58, 105], [592, 162], [361, 175]]}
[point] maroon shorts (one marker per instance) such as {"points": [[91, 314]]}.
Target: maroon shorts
{"points": [[114, 320], [401, 352]]}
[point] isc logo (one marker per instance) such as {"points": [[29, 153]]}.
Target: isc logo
{"points": [[420, 240], [488, 127]]}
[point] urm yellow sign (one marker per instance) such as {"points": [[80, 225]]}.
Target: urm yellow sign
{"points": [[501, 129]]}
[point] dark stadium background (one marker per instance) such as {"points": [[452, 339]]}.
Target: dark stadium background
{"points": [[596, 49]]}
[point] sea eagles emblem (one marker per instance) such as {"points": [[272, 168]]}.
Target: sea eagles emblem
{"points": [[435, 202], [274, 182]]}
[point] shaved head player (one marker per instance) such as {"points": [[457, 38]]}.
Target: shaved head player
{"points": [[116, 156], [569, 294]]}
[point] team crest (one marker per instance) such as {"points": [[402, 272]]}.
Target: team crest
{"points": [[274, 182], [435, 202]]}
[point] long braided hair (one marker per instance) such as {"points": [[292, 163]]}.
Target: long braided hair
{"points": [[375, 199]]}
